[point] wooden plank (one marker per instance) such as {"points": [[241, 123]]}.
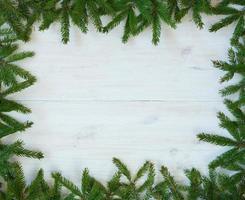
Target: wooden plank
{"points": [[100, 67]]}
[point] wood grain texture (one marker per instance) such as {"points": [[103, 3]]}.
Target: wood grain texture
{"points": [[97, 98]]}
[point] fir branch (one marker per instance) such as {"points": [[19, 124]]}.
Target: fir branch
{"points": [[65, 21], [195, 188], [234, 15], [12, 79], [152, 12], [79, 15], [197, 7], [9, 106], [217, 140], [10, 13], [90, 188], [231, 126], [171, 184], [68, 184], [113, 185], [10, 125], [122, 168], [228, 158], [19, 56]]}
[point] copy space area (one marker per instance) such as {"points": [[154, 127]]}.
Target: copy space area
{"points": [[97, 98]]}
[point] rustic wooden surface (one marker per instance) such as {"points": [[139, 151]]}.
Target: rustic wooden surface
{"points": [[97, 98]]}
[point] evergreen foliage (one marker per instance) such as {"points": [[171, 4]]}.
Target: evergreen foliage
{"points": [[236, 125], [17, 189], [235, 12], [124, 186], [151, 13], [12, 79], [136, 15], [179, 8], [234, 158], [16, 20]]}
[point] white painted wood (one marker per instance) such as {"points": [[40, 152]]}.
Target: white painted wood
{"points": [[97, 98]]}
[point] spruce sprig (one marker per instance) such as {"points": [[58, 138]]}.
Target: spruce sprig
{"points": [[17, 188], [197, 7], [221, 186], [195, 188], [151, 13], [133, 187], [234, 158], [126, 11], [90, 188], [13, 78], [235, 67], [10, 14], [173, 187], [233, 15], [79, 12]]}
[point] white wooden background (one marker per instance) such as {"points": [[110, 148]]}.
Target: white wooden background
{"points": [[97, 98]]}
